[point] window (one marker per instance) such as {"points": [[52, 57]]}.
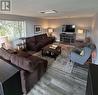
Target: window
{"points": [[12, 30]]}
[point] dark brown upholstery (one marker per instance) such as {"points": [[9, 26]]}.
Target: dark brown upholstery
{"points": [[30, 79], [35, 43], [5, 54], [31, 68], [23, 63]]}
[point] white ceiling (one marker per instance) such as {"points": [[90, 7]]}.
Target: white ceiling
{"points": [[64, 8]]}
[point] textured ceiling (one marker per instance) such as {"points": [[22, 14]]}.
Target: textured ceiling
{"points": [[64, 8]]}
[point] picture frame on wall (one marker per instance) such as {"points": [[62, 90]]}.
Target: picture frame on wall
{"points": [[37, 29]]}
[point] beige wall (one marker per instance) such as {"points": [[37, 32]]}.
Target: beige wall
{"points": [[85, 23]]}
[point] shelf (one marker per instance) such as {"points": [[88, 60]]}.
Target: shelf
{"points": [[70, 38]]}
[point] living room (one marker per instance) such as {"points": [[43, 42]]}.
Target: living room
{"points": [[20, 30]]}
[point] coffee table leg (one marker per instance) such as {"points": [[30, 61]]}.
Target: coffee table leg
{"points": [[55, 58], [42, 53]]}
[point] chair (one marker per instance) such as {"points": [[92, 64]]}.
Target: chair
{"points": [[77, 57]]}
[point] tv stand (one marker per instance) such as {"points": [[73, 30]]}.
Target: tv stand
{"points": [[68, 37]]}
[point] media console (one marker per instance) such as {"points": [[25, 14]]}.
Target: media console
{"points": [[68, 37]]}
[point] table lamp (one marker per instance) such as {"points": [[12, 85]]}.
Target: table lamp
{"points": [[80, 31], [50, 31]]}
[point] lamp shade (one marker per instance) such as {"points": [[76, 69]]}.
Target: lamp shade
{"points": [[80, 31], [50, 30]]}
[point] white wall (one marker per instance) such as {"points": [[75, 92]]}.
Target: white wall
{"points": [[95, 34], [85, 23]]}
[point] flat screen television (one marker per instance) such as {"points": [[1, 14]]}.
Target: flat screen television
{"points": [[68, 28]]}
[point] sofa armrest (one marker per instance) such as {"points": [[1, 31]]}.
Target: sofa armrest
{"points": [[23, 63], [74, 55], [51, 38]]}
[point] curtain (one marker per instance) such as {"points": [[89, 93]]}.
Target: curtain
{"points": [[13, 30]]}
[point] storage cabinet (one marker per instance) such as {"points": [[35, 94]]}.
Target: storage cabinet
{"points": [[69, 38]]}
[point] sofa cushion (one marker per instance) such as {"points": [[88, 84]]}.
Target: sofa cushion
{"points": [[5, 54], [44, 42], [44, 36], [37, 60], [30, 39], [39, 42], [23, 54], [50, 39], [38, 38], [22, 63], [37, 47], [30, 45]]}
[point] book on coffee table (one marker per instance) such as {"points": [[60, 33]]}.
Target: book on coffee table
{"points": [[53, 46]]}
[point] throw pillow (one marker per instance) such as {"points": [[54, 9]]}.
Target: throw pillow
{"points": [[82, 53]]}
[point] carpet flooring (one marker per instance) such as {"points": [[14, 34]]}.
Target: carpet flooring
{"points": [[62, 77]]}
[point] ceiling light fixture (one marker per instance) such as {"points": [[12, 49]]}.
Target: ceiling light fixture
{"points": [[48, 12]]}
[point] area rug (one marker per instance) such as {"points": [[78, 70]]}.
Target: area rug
{"points": [[62, 62], [62, 77]]}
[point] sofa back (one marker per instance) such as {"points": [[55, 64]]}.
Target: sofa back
{"points": [[30, 42], [40, 37], [30, 39], [5, 54], [16, 60], [37, 42]]}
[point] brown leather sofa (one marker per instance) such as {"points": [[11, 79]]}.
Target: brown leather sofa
{"points": [[31, 67], [37, 42]]}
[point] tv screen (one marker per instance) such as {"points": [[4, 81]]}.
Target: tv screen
{"points": [[68, 28]]}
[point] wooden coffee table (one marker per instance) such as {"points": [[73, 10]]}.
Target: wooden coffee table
{"points": [[51, 52]]}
